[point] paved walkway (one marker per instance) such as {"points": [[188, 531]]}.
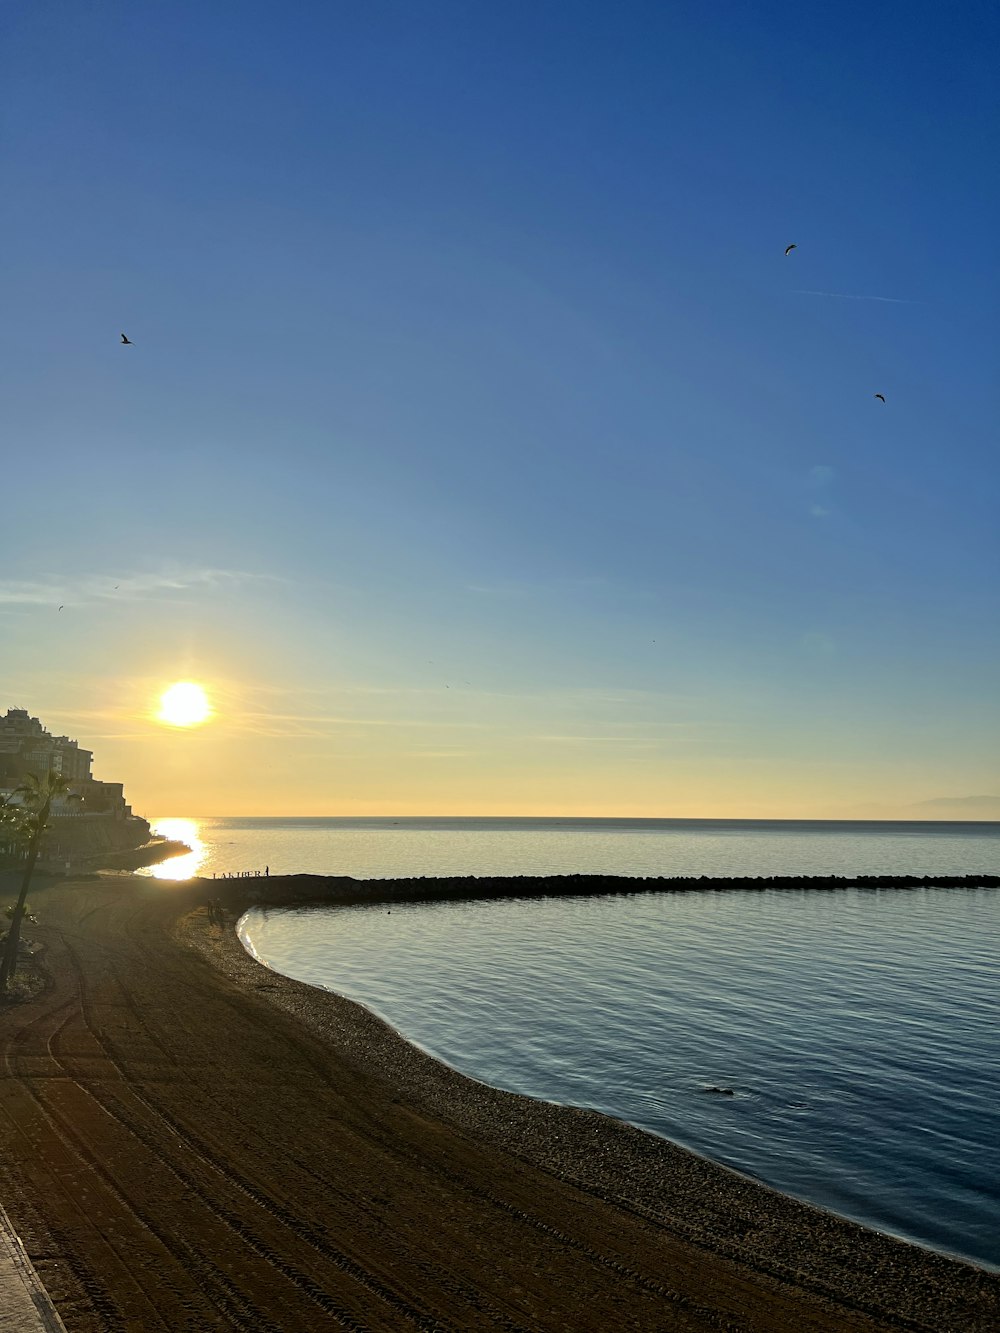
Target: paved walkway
{"points": [[24, 1303]]}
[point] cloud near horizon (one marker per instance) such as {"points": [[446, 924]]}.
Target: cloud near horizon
{"points": [[125, 587]]}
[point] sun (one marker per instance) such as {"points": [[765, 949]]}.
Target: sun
{"points": [[184, 705]]}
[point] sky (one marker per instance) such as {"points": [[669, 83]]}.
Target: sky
{"points": [[479, 450]]}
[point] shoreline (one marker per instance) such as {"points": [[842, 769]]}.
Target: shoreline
{"points": [[648, 1174], [274, 1127], [441, 1104]]}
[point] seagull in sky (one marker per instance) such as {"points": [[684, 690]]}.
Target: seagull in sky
{"points": [[790, 248], [127, 342], [880, 395], [60, 608]]}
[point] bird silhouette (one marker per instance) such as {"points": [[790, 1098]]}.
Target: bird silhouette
{"points": [[127, 342], [60, 608], [790, 248], [882, 396]]}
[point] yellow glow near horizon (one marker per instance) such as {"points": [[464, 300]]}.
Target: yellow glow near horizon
{"points": [[184, 705]]}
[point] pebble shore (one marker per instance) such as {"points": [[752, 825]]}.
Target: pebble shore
{"points": [[730, 1215]]}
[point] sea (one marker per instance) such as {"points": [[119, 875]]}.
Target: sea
{"points": [[840, 1046]]}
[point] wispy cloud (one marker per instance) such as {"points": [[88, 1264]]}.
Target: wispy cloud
{"points": [[855, 296], [440, 754], [514, 588], [276, 726], [291, 724], [654, 736], [56, 589], [610, 740], [352, 715]]}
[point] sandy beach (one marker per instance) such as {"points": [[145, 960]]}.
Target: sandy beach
{"points": [[188, 1141]]}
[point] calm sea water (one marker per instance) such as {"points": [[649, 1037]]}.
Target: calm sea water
{"points": [[387, 848], [857, 1029]]}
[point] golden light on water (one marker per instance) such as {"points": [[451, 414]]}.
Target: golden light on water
{"points": [[178, 867], [184, 705]]}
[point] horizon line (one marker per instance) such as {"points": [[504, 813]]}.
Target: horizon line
{"points": [[654, 819]]}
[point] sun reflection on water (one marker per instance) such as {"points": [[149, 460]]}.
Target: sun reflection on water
{"points": [[179, 867]]}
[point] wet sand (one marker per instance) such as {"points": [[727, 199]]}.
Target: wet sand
{"points": [[188, 1141]]}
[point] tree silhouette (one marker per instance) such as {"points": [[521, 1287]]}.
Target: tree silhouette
{"points": [[36, 799]]}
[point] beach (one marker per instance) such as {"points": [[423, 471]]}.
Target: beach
{"points": [[189, 1141]]}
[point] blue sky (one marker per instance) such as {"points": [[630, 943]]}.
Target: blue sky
{"points": [[480, 451]]}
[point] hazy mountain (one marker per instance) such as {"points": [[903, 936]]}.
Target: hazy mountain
{"points": [[961, 807]]}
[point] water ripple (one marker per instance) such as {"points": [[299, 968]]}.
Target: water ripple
{"points": [[856, 1029]]}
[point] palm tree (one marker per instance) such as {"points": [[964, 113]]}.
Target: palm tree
{"points": [[36, 796], [10, 819], [11, 827]]}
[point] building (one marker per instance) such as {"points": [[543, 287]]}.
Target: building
{"points": [[27, 748]]}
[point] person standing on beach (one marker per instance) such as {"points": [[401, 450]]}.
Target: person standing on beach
{"points": [[267, 872]]}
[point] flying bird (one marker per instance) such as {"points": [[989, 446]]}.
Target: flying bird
{"points": [[127, 342], [790, 248], [882, 396], [60, 608]]}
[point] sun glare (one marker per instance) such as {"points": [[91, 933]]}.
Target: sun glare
{"points": [[181, 867], [184, 705]]}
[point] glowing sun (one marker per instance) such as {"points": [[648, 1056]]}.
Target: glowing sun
{"points": [[184, 705]]}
